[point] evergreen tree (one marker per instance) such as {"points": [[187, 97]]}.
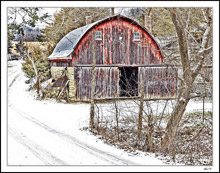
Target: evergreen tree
{"points": [[9, 46], [41, 37], [10, 38], [40, 61], [21, 48]]}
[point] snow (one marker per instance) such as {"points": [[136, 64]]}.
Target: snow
{"points": [[131, 108], [48, 133], [198, 106], [17, 149], [44, 132]]}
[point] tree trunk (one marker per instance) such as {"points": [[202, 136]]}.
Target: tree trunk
{"points": [[150, 128], [38, 83], [189, 75], [141, 106], [116, 116], [173, 123], [112, 11], [92, 111], [37, 78]]}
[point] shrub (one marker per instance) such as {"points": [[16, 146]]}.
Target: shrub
{"points": [[41, 63]]}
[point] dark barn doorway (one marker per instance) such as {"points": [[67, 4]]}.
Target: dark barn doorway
{"points": [[128, 81]]}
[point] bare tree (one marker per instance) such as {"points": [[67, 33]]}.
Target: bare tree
{"points": [[190, 69]]}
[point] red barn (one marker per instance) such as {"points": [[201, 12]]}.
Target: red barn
{"points": [[123, 49]]}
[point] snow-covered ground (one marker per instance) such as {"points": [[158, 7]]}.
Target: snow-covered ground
{"points": [[44, 132], [48, 133]]}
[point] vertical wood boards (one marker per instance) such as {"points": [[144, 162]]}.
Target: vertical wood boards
{"points": [[159, 82], [118, 46], [106, 82]]}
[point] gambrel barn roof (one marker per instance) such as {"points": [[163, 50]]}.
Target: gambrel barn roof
{"points": [[68, 43]]}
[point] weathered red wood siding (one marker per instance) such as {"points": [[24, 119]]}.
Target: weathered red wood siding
{"points": [[111, 50], [159, 81], [106, 82]]}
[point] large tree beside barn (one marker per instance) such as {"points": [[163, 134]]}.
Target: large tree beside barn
{"points": [[191, 60]]}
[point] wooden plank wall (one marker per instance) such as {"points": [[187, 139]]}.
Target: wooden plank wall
{"points": [[118, 46], [159, 82], [106, 82]]}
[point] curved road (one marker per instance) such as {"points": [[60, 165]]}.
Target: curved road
{"points": [[50, 145]]}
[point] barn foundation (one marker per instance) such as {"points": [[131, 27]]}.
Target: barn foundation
{"points": [[72, 84]]}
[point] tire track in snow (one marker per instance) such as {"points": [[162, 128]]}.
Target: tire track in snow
{"points": [[65, 136], [17, 78], [12, 72], [46, 157], [14, 79]]}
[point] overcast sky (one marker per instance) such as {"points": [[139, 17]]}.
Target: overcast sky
{"points": [[51, 11]]}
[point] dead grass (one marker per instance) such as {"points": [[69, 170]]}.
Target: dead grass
{"points": [[193, 144]]}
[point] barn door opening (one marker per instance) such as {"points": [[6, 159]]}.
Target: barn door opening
{"points": [[128, 81]]}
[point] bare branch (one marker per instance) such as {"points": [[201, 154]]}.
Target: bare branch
{"points": [[182, 39]]}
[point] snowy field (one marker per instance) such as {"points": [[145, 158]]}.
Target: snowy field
{"points": [[44, 132]]}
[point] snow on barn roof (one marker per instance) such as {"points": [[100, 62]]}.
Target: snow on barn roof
{"points": [[68, 43]]}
